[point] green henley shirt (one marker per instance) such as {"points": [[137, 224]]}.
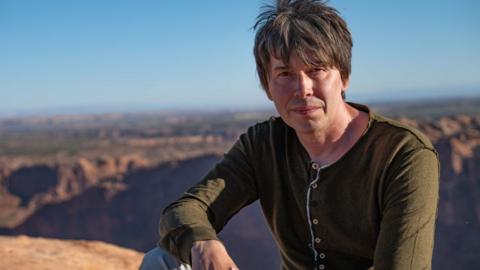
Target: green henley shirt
{"points": [[374, 208]]}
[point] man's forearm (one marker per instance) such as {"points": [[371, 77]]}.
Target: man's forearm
{"points": [[181, 225]]}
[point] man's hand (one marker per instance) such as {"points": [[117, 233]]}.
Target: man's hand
{"points": [[211, 255]]}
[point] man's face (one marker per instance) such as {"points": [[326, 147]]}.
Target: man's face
{"points": [[307, 98]]}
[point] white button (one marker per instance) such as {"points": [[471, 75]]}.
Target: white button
{"points": [[315, 166], [322, 255], [314, 185], [315, 221], [321, 267], [318, 240]]}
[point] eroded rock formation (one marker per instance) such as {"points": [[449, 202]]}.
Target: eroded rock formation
{"points": [[119, 199]]}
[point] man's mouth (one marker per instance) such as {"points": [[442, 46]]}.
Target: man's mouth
{"points": [[306, 110]]}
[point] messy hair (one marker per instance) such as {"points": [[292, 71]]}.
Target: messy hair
{"points": [[309, 29]]}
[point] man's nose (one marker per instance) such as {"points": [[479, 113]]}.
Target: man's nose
{"points": [[304, 86]]}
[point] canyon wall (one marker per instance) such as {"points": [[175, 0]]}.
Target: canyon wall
{"points": [[118, 200]]}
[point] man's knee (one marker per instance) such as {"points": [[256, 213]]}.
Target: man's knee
{"points": [[159, 259]]}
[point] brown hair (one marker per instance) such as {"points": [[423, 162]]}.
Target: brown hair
{"points": [[310, 29]]}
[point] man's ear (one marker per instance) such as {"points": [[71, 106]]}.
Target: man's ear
{"points": [[346, 83], [267, 91]]}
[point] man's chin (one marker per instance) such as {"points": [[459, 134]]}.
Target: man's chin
{"points": [[306, 126]]}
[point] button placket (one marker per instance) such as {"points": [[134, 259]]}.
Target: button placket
{"points": [[316, 167], [311, 220]]}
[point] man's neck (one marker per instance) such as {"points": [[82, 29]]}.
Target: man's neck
{"points": [[329, 145]]}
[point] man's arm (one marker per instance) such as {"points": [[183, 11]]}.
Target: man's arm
{"points": [[205, 208], [410, 206]]}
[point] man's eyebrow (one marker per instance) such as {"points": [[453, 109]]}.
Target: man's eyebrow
{"points": [[281, 67]]}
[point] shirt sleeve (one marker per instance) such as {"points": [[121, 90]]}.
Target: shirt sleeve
{"points": [[205, 208], [410, 203]]}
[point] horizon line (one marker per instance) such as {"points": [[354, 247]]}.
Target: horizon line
{"points": [[155, 108]]}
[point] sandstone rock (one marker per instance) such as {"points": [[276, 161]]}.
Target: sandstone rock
{"points": [[84, 169], [130, 162], [449, 126], [22, 252], [408, 121]]}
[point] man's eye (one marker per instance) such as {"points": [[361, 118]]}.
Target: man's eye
{"points": [[318, 69], [284, 74]]}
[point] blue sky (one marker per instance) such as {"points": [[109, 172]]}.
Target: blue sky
{"points": [[82, 56]]}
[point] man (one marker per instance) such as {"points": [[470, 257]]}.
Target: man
{"points": [[340, 186]]}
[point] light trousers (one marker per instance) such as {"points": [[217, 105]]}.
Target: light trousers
{"points": [[159, 259]]}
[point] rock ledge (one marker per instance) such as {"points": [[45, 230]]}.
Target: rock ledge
{"points": [[22, 252]]}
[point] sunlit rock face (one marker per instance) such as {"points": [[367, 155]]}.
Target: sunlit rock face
{"points": [[22, 252]]}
